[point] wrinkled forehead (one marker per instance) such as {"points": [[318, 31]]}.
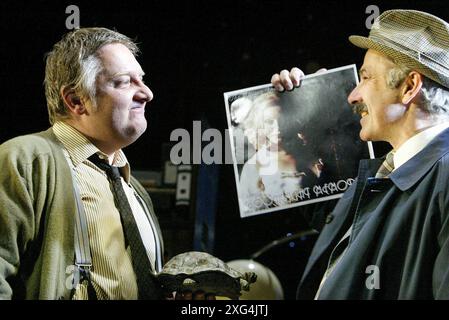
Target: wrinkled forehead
{"points": [[376, 62], [117, 58]]}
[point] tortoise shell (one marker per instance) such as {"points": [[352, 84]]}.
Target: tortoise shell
{"points": [[195, 271]]}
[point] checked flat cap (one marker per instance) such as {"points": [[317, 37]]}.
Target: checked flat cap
{"points": [[415, 39]]}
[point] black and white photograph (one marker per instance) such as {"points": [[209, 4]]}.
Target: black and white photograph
{"points": [[297, 147], [251, 150]]}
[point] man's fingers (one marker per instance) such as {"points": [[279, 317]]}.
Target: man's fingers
{"points": [[199, 295], [184, 295], [187, 295], [296, 75], [171, 296], [276, 82], [285, 80], [178, 296], [322, 70]]}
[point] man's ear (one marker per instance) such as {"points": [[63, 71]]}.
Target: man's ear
{"points": [[411, 87], [73, 101]]}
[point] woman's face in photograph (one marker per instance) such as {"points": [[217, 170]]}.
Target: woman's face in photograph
{"points": [[270, 124]]}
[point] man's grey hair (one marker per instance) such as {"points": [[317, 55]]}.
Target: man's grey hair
{"points": [[73, 63], [434, 97]]}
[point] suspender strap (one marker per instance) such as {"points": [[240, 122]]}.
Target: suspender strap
{"points": [[83, 259], [82, 249]]}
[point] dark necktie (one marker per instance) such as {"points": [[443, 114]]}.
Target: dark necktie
{"points": [[146, 283], [387, 166]]}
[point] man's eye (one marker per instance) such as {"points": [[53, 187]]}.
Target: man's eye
{"points": [[121, 82]]}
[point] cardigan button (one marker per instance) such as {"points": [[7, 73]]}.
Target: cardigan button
{"points": [[329, 218]]}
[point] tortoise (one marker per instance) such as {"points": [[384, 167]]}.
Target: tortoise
{"points": [[196, 270]]}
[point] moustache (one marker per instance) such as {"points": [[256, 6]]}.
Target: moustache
{"points": [[359, 108]]}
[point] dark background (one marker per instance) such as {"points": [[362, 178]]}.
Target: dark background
{"points": [[192, 52]]}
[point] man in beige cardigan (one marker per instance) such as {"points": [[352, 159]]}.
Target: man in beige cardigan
{"points": [[96, 101]]}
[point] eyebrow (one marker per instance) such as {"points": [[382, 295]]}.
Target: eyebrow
{"points": [[362, 70], [126, 73]]}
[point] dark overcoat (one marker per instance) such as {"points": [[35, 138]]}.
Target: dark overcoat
{"points": [[399, 246]]}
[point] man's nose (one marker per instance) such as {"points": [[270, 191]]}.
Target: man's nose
{"points": [[355, 96], [144, 94]]}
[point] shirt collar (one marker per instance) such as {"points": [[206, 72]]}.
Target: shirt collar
{"points": [[80, 148], [416, 143]]}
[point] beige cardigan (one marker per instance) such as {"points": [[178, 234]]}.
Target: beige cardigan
{"points": [[37, 210]]}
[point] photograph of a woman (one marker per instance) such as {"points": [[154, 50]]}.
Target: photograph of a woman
{"points": [[294, 148]]}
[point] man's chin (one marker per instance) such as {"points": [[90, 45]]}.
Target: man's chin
{"points": [[140, 131], [364, 136], [133, 133], [369, 137]]}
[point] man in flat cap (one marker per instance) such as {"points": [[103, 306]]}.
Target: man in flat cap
{"points": [[389, 236]]}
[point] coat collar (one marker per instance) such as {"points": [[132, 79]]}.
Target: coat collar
{"points": [[407, 175]]}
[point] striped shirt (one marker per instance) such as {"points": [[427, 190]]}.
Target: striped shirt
{"points": [[112, 273]]}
